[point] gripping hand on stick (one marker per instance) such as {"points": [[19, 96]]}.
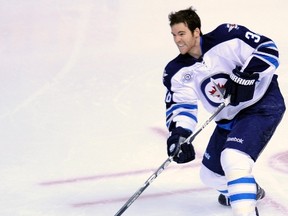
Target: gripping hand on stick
{"points": [[181, 151], [240, 86]]}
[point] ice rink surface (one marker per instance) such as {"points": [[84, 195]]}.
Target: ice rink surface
{"points": [[82, 116]]}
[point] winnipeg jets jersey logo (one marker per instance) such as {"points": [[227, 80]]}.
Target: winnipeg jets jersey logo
{"points": [[231, 27], [213, 88], [218, 89]]}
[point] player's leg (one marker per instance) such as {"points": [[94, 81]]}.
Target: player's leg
{"points": [[211, 172], [215, 181], [251, 131], [240, 181]]}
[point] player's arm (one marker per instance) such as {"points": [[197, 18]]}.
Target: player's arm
{"points": [[265, 57], [259, 53], [181, 103], [181, 118], [260, 58]]}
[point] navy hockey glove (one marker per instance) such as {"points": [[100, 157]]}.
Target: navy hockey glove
{"points": [[186, 151], [240, 86]]}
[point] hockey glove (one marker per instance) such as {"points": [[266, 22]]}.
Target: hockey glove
{"points": [[182, 152], [240, 86]]}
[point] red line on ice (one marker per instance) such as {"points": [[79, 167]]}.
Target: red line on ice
{"points": [[145, 196], [109, 175]]}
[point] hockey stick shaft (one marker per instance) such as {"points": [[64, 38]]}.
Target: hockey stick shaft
{"points": [[146, 184], [167, 162], [216, 112]]}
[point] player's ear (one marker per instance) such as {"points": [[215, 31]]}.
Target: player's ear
{"points": [[196, 32]]}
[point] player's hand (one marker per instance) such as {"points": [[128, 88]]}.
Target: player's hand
{"points": [[240, 86], [182, 152]]}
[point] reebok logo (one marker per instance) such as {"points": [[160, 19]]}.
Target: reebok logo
{"points": [[207, 155], [235, 139]]}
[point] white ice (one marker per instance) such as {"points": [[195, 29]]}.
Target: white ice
{"points": [[82, 116]]}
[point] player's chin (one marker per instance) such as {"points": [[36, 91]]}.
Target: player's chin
{"points": [[183, 51]]}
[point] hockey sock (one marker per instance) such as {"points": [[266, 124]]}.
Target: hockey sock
{"points": [[242, 194]]}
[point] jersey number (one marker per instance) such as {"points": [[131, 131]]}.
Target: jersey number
{"points": [[168, 98], [250, 35]]}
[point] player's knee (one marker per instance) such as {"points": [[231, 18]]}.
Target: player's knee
{"points": [[212, 179], [236, 164]]}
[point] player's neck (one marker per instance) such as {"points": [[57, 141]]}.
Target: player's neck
{"points": [[196, 52]]}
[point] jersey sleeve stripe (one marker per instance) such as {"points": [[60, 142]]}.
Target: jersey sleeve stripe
{"points": [[271, 59], [178, 106], [190, 115], [185, 111]]}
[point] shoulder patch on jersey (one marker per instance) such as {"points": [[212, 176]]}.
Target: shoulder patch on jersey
{"points": [[232, 26], [187, 77], [164, 73]]}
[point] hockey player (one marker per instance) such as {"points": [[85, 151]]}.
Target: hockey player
{"points": [[236, 63]]}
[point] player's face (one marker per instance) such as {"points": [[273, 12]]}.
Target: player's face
{"points": [[185, 40]]}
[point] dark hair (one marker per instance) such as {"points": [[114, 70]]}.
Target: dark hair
{"points": [[187, 16]]}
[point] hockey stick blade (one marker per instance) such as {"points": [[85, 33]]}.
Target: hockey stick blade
{"points": [[165, 164]]}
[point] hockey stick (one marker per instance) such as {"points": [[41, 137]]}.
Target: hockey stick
{"points": [[169, 160]]}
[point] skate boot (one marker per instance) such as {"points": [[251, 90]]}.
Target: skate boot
{"points": [[224, 200]]}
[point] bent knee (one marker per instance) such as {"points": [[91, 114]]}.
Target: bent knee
{"points": [[212, 179], [236, 164]]}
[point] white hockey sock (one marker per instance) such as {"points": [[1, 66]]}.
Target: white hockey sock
{"points": [[242, 194]]}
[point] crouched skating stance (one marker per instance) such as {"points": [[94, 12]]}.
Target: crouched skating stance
{"points": [[234, 62]]}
